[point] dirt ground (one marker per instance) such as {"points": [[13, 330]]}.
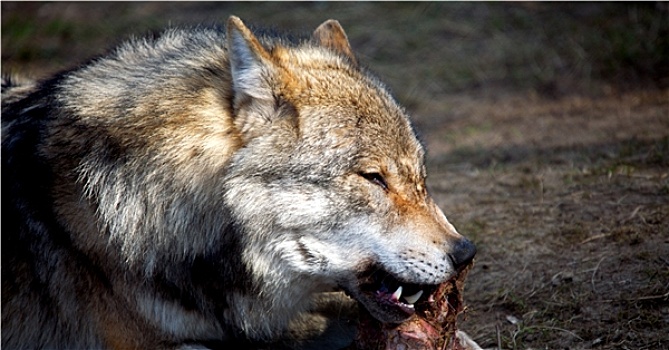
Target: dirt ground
{"points": [[571, 219], [547, 127]]}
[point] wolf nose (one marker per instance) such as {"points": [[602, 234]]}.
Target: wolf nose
{"points": [[463, 253]]}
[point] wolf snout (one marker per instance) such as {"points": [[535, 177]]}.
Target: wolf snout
{"points": [[462, 254]]}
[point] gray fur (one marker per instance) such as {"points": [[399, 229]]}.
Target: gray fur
{"points": [[205, 187]]}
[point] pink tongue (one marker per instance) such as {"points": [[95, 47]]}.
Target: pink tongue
{"points": [[394, 297]]}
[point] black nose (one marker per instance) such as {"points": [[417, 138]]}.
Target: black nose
{"points": [[463, 253]]}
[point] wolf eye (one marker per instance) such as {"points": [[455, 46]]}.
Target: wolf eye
{"points": [[376, 179]]}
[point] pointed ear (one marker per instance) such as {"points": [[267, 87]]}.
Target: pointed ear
{"points": [[250, 64], [330, 34]]}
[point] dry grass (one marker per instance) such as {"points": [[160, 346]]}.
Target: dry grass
{"points": [[548, 132]]}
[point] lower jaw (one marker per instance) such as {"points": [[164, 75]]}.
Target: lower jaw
{"points": [[386, 312]]}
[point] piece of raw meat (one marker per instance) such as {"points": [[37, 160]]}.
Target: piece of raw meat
{"points": [[433, 327]]}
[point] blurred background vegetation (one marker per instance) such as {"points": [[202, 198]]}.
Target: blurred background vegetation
{"points": [[426, 48]]}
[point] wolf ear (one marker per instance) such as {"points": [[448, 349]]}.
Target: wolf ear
{"points": [[330, 34], [250, 63]]}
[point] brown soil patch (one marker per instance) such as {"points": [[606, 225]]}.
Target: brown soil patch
{"points": [[568, 201]]}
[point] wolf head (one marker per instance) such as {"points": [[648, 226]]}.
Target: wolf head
{"points": [[329, 180]]}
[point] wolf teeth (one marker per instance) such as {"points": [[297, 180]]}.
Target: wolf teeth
{"points": [[412, 299], [397, 294]]}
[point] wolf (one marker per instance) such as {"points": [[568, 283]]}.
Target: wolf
{"points": [[209, 187]]}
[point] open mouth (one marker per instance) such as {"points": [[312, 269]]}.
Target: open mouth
{"points": [[434, 325], [390, 300]]}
